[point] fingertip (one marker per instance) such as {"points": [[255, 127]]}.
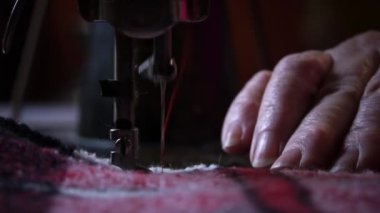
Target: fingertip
{"points": [[265, 150], [340, 169], [368, 162], [346, 162], [232, 139], [262, 162], [288, 160]]}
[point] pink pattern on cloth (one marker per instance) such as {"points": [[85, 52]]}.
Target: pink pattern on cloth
{"points": [[36, 179]]}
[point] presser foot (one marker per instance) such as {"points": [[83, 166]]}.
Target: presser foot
{"points": [[126, 148]]}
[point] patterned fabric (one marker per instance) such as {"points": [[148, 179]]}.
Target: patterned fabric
{"points": [[39, 179]]}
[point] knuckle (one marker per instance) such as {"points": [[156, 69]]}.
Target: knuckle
{"points": [[289, 59], [370, 35], [305, 65], [373, 86], [266, 131], [350, 92], [311, 139], [362, 135], [299, 61], [314, 138], [369, 38], [318, 134]]}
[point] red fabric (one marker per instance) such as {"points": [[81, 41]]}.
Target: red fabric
{"points": [[35, 179]]}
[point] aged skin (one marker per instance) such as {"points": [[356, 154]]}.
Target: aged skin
{"points": [[316, 110]]}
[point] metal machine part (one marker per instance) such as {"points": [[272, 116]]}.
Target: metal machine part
{"points": [[11, 25], [20, 11], [144, 18], [132, 20]]}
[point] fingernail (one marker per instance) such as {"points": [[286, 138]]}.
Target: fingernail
{"points": [[279, 165], [340, 168], [289, 159], [262, 162], [336, 169], [266, 151], [233, 136]]}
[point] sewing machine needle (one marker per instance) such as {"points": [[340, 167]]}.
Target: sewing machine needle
{"points": [[163, 111]]}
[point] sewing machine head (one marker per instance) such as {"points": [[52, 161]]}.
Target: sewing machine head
{"points": [[144, 18], [132, 20]]}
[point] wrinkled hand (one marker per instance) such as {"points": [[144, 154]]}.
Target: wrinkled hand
{"points": [[316, 110]]}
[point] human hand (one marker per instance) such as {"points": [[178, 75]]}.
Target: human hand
{"points": [[316, 110]]}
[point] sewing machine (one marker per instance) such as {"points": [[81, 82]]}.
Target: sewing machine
{"points": [[135, 20]]}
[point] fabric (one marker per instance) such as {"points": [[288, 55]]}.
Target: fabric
{"points": [[34, 178]]}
